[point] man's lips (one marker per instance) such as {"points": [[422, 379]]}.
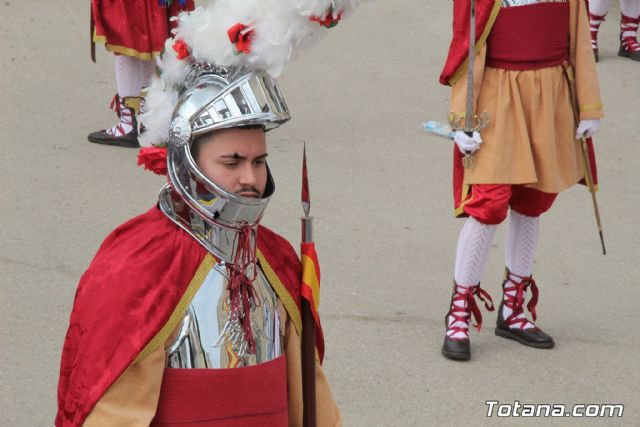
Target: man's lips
{"points": [[251, 194]]}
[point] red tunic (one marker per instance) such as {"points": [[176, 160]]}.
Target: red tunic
{"points": [[136, 28]]}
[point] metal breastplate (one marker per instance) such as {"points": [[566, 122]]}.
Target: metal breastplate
{"points": [[512, 3], [207, 338]]}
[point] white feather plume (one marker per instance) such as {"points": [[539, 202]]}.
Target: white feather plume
{"points": [[159, 105], [280, 28]]}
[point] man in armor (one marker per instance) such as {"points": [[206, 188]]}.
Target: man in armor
{"points": [[135, 31], [190, 312], [532, 56], [629, 21]]}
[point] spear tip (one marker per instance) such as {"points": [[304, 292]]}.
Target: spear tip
{"points": [[305, 197]]}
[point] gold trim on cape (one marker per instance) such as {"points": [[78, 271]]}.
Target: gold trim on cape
{"points": [[281, 290]]}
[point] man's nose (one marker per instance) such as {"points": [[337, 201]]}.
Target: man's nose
{"points": [[248, 175]]}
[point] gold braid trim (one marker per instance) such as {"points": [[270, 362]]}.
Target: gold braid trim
{"points": [[161, 337], [479, 43], [281, 290], [123, 50], [591, 107], [466, 198]]}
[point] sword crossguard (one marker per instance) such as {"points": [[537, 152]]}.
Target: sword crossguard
{"points": [[458, 121]]}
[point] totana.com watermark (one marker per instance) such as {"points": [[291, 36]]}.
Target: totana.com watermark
{"points": [[517, 409]]}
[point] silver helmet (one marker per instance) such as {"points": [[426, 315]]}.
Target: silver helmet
{"points": [[216, 98]]}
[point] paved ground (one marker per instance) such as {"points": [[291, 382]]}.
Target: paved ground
{"points": [[381, 197]]}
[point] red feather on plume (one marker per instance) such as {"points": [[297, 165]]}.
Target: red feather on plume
{"points": [[153, 159]]}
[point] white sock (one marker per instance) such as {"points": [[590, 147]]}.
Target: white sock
{"points": [[597, 11], [600, 7], [460, 310], [630, 8], [126, 122], [129, 80], [472, 253], [148, 71], [520, 249], [629, 25], [522, 239]]}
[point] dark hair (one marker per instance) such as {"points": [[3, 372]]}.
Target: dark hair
{"points": [[198, 141]]}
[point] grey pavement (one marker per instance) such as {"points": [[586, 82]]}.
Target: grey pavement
{"points": [[381, 196]]}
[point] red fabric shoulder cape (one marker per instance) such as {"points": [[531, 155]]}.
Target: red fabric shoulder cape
{"points": [[486, 12], [127, 295]]}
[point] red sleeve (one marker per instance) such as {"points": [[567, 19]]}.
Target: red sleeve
{"points": [[459, 47]]}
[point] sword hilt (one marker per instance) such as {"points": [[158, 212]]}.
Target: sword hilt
{"points": [[460, 122]]}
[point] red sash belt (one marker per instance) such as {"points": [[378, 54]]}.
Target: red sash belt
{"points": [[251, 396], [529, 37]]}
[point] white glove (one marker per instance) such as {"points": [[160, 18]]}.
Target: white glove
{"points": [[587, 128], [466, 143]]}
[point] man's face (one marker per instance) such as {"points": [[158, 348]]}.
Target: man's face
{"points": [[235, 159]]}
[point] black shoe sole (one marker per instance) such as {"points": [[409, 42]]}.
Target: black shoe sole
{"points": [[115, 142], [456, 356], [626, 54], [510, 335]]}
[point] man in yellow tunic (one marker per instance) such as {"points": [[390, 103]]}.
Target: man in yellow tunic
{"points": [[533, 67]]}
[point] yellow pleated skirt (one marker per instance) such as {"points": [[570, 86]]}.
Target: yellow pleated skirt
{"points": [[530, 138]]}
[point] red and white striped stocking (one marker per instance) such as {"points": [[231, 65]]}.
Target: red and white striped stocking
{"points": [[598, 9], [629, 20]]}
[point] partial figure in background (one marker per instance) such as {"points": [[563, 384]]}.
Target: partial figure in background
{"points": [[135, 31], [535, 77], [629, 21]]}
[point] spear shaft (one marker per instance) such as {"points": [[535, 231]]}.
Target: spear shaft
{"points": [[308, 323], [584, 153]]}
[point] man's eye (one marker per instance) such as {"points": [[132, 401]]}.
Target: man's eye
{"points": [[261, 162], [231, 164]]}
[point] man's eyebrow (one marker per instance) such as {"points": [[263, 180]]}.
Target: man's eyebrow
{"points": [[236, 156]]}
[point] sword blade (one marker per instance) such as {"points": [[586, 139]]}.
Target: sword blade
{"points": [[472, 57]]}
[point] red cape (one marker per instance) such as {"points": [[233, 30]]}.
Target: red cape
{"points": [[486, 12], [127, 295]]}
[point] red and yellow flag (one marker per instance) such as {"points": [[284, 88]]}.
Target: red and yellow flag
{"points": [[310, 289], [310, 277]]}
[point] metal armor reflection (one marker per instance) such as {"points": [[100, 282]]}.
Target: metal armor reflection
{"points": [[207, 338], [219, 236]]}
